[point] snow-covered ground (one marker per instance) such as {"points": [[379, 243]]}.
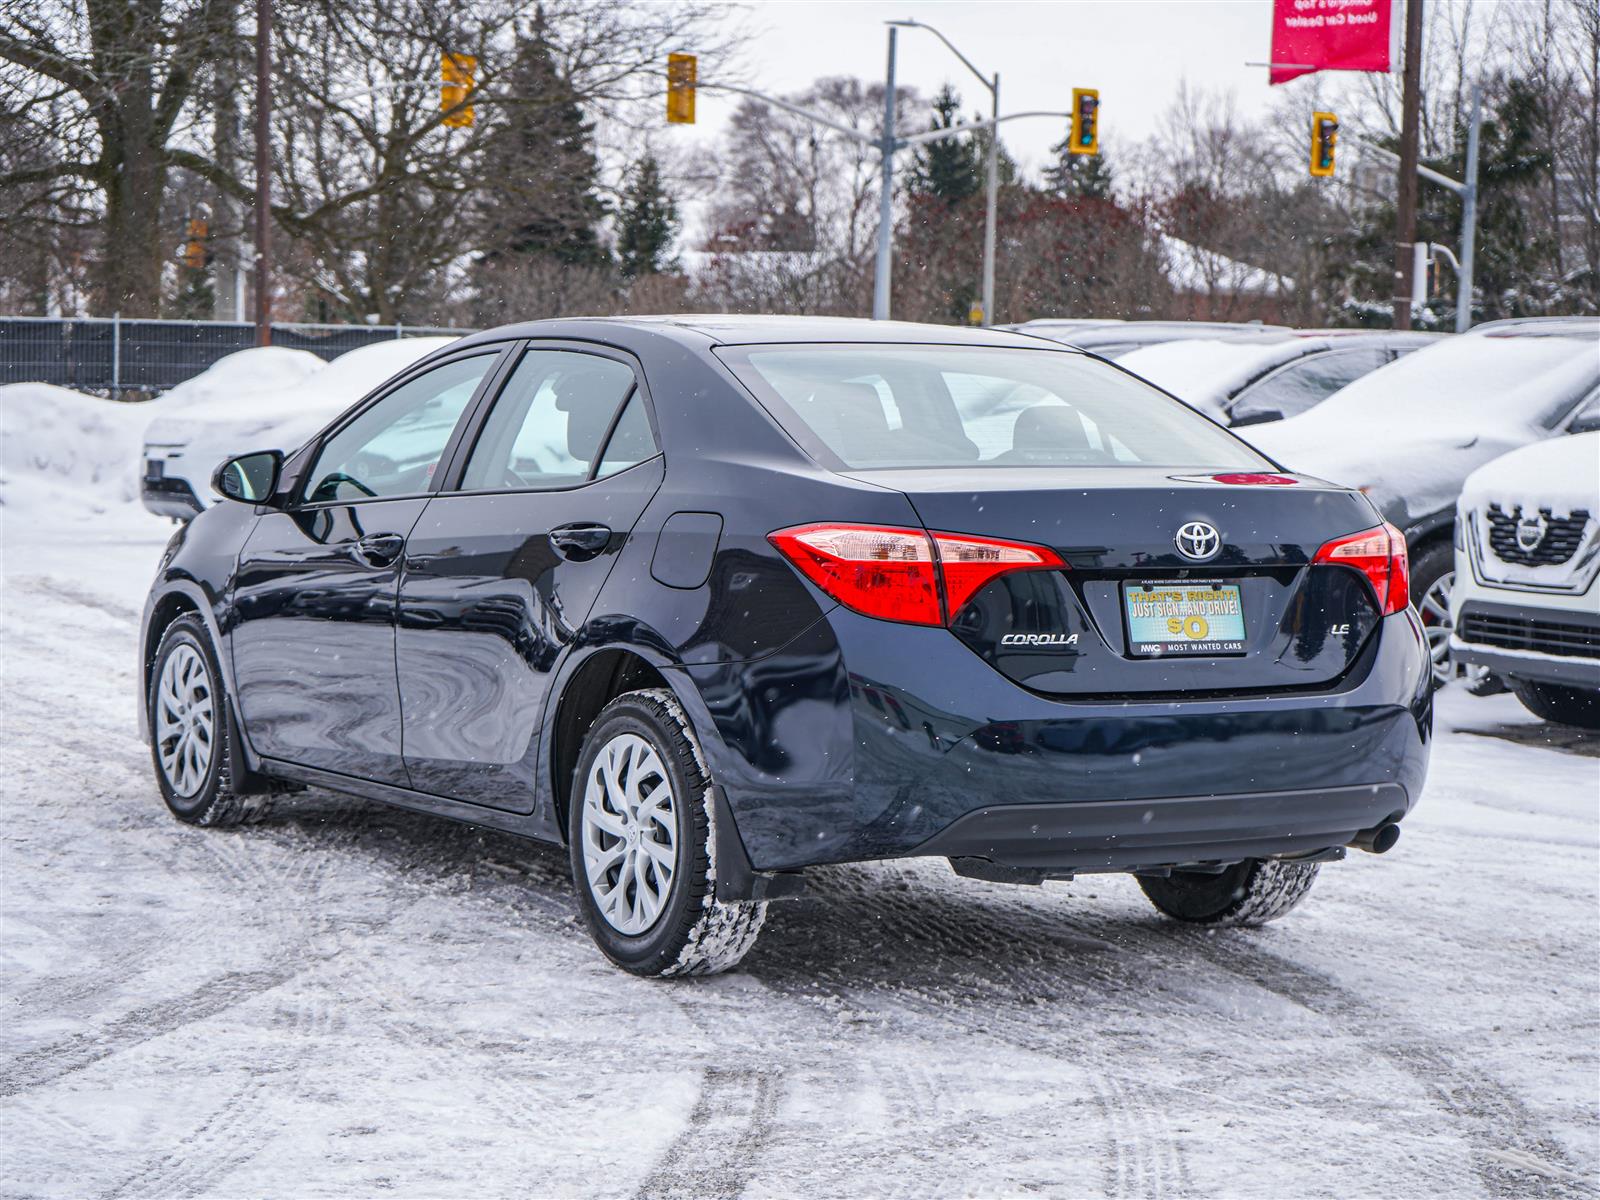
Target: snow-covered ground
{"points": [[349, 1000]]}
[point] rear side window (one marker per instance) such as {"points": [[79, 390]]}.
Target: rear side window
{"points": [[548, 423], [960, 406]]}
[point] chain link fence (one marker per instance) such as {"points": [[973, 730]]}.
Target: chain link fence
{"points": [[109, 354]]}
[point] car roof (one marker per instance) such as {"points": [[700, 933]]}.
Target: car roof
{"points": [[1540, 327], [704, 330]]}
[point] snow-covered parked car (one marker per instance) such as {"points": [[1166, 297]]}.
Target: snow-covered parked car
{"points": [[262, 398], [1409, 434], [1249, 380], [1525, 603]]}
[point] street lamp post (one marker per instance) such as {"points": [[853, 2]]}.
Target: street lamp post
{"points": [[880, 285], [992, 183]]}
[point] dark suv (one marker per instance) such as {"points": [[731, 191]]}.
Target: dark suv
{"points": [[712, 600]]}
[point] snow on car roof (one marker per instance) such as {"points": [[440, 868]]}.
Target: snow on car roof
{"points": [[1204, 372], [258, 369], [1561, 474], [1463, 383]]}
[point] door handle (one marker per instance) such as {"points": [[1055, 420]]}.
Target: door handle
{"points": [[379, 549], [580, 542]]}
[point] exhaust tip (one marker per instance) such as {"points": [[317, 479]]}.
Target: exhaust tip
{"points": [[1378, 840]]}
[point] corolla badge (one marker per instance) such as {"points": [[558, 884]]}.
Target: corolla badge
{"points": [[1530, 532], [1198, 540]]}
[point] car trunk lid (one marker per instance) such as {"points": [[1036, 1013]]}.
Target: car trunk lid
{"points": [[1104, 624]]}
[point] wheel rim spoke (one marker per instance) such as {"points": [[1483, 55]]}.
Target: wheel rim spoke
{"points": [[629, 834], [185, 716]]}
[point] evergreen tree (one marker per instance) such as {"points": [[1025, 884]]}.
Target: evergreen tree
{"points": [[950, 169], [542, 195], [649, 222], [1515, 268], [1078, 175]]}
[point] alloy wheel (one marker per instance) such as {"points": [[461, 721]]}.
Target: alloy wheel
{"points": [[1435, 610], [630, 832], [185, 720]]}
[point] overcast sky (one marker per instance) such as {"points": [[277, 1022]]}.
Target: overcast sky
{"points": [[1134, 51]]}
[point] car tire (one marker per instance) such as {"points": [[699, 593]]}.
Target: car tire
{"points": [[640, 780], [191, 730], [1432, 573], [1563, 705], [1252, 892]]}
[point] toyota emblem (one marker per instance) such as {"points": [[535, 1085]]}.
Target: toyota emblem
{"points": [[1198, 540]]}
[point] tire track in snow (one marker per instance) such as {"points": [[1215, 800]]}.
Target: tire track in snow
{"points": [[48, 1063], [1511, 1152], [731, 1121], [943, 961]]}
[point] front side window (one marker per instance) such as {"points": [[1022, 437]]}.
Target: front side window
{"points": [[547, 425], [960, 406], [394, 447]]}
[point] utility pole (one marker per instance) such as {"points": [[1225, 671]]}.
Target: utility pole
{"points": [[263, 246], [880, 288], [1406, 203]]}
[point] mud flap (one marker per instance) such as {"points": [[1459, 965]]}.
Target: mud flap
{"points": [[736, 878]]}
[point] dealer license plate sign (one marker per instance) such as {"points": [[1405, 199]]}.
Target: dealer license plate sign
{"points": [[1190, 617]]}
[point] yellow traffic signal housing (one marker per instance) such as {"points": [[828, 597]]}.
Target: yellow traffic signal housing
{"points": [[680, 89], [1085, 121], [194, 246], [458, 72], [1324, 140]]}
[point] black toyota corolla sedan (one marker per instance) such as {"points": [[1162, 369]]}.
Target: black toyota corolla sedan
{"points": [[714, 599]]}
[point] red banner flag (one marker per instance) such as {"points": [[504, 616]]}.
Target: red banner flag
{"points": [[1329, 35]]}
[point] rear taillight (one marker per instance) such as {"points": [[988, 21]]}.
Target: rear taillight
{"points": [[899, 574], [1380, 555], [968, 563]]}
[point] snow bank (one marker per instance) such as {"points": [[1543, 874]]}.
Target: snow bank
{"points": [[244, 405], [1204, 372], [1561, 474], [56, 436]]}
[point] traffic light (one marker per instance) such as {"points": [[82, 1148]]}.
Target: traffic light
{"points": [[680, 89], [1324, 140], [194, 246], [458, 74], [1085, 121]]}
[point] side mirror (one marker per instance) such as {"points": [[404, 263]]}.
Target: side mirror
{"points": [[249, 478]]}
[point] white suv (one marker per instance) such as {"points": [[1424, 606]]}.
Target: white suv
{"points": [[1525, 604]]}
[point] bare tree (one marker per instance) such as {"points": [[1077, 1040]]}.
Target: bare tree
{"points": [[795, 225], [109, 83]]}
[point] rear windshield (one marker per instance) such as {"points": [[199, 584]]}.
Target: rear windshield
{"points": [[963, 406]]}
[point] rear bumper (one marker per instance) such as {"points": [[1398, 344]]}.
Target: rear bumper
{"points": [[1122, 835], [867, 740]]}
